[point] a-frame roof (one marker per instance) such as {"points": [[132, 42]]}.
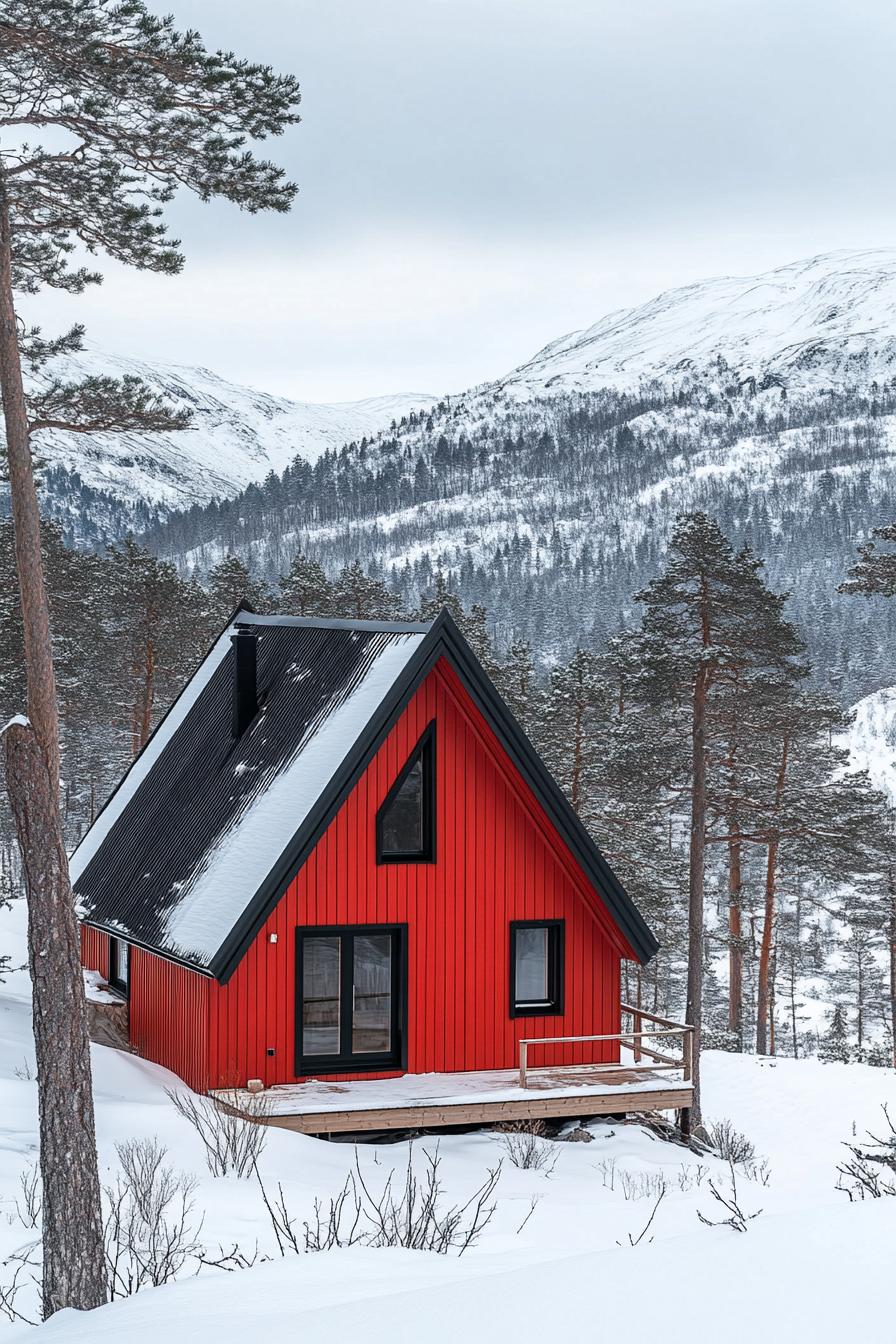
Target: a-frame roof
{"points": [[205, 831]]}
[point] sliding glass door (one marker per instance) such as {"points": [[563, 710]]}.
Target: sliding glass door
{"points": [[350, 993]]}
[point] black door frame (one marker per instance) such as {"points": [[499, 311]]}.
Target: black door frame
{"points": [[345, 1061]]}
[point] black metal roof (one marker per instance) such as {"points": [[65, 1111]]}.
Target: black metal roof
{"points": [[198, 804]]}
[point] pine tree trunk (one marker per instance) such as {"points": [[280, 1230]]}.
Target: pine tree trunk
{"points": [[73, 1274], [892, 940], [735, 937], [765, 949], [793, 1008], [768, 927], [696, 864], [73, 1267], [42, 709], [147, 698], [772, 986]]}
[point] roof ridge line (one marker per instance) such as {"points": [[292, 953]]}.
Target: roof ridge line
{"points": [[246, 617]]}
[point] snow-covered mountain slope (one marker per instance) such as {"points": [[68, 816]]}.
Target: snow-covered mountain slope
{"points": [[237, 436], [872, 739], [826, 320], [548, 496]]}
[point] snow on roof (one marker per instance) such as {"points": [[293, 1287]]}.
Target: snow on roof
{"points": [[146, 760], [201, 820]]}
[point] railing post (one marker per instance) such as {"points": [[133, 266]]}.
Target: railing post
{"points": [[636, 1037], [523, 1050], [687, 1053]]}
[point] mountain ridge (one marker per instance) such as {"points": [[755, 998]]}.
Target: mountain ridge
{"points": [[237, 436], [810, 309], [549, 500]]}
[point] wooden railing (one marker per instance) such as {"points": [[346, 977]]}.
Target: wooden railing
{"points": [[631, 1040]]}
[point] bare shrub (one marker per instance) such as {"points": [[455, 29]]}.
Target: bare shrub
{"points": [[412, 1214], [607, 1168], [23, 1267], [636, 1241], [150, 1231], [526, 1144], [533, 1205], [233, 1140], [729, 1143], [730, 1205], [870, 1170], [29, 1204], [737, 1150], [689, 1178], [642, 1184]]}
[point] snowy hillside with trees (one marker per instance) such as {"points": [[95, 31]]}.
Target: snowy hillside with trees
{"points": [[548, 496], [99, 486]]}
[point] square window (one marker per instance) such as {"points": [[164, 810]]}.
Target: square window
{"points": [[536, 967]]}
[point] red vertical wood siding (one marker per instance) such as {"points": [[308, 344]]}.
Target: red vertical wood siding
{"points": [[94, 950], [169, 1017], [167, 1008], [498, 858]]}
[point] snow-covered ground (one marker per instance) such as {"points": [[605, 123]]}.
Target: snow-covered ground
{"points": [[811, 1266]]}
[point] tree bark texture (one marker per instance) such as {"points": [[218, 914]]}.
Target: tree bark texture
{"points": [[696, 864], [768, 926], [891, 931], [42, 707], [141, 714], [73, 1269], [735, 940]]}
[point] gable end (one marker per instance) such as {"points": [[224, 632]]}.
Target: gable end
{"points": [[443, 640]]}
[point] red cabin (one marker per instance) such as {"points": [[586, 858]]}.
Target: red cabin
{"points": [[338, 857]]}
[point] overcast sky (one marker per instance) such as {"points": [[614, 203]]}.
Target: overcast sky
{"points": [[480, 176]]}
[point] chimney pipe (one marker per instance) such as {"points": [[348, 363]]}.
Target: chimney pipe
{"points": [[245, 686]]}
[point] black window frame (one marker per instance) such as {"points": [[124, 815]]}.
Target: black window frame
{"points": [[345, 1061], [556, 968], [424, 751], [121, 987]]}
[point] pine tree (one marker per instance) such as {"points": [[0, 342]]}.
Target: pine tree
{"points": [[516, 681], [358, 596], [155, 630], [575, 708], [231, 585], [711, 616], [816, 814], [834, 1046], [442, 597], [306, 590], [875, 573], [131, 111]]}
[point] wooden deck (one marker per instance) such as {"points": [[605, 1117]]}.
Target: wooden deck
{"points": [[442, 1100]]}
